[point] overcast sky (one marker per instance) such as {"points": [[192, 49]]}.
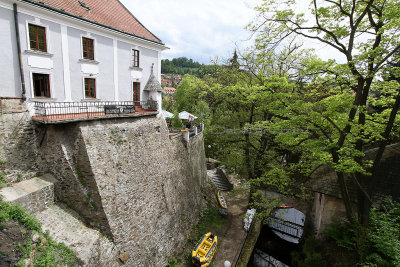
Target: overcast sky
{"points": [[197, 29]]}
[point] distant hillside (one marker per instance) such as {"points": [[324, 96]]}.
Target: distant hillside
{"points": [[181, 65]]}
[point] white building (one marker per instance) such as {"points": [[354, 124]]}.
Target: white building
{"points": [[76, 51]]}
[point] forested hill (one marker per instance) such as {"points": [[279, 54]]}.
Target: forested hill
{"points": [[181, 65]]}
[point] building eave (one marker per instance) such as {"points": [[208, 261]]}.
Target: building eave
{"points": [[161, 45]]}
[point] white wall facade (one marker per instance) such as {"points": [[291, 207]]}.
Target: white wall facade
{"points": [[111, 67]]}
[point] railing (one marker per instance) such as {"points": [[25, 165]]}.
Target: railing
{"points": [[55, 111], [147, 105], [192, 132]]}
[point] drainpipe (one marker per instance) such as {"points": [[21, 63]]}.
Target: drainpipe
{"points": [[21, 69]]}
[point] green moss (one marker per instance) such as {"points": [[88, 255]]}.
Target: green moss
{"points": [[88, 196], [93, 205], [118, 165], [80, 176], [174, 262], [2, 179]]}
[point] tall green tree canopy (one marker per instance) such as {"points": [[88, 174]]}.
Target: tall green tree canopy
{"points": [[181, 65], [366, 34]]}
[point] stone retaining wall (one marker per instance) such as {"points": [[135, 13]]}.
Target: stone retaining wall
{"points": [[18, 146], [123, 176], [130, 180]]}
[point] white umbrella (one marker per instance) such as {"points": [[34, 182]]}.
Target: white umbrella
{"points": [[184, 115], [167, 114]]}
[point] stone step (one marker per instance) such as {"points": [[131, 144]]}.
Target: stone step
{"points": [[64, 225], [34, 194], [220, 181]]}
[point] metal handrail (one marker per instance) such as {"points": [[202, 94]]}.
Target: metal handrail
{"points": [[46, 111]]}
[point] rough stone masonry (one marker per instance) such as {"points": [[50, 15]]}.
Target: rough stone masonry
{"points": [[127, 178], [122, 176]]}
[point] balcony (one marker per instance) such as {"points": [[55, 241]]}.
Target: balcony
{"points": [[63, 112]]}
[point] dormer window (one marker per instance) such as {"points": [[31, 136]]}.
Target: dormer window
{"points": [[135, 58], [37, 38], [88, 48]]}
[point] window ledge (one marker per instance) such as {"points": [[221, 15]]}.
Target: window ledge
{"points": [[42, 99], [36, 52], [135, 68], [91, 61], [90, 100]]}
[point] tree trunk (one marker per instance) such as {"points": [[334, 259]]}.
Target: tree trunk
{"points": [[250, 171]]}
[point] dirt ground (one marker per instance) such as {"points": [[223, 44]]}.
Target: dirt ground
{"points": [[232, 235], [12, 235], [231, 241]]}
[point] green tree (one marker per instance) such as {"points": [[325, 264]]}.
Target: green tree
{"points": [[168, 103], [181, 65], [366, 34]]}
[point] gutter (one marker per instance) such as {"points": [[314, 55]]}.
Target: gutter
{"points": [[91, 21], [21, 68]]}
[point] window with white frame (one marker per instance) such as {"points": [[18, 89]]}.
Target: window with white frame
{"points": [[135, 58], [87, 48], [90, 88], [41, 85], [37, 38]]}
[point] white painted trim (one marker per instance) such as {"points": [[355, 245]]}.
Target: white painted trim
{"points": [[65, 59], [6, 5], [51, 82], [37, 22], [159, 67], [55, 17], [116, 81]]}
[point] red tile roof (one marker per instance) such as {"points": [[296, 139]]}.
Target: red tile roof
{"points": [[169, 89], [111, 13]]}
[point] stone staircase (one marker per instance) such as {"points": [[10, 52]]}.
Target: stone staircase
{"points": [[36, 195], [220, 179]]}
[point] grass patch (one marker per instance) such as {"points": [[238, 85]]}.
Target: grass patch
{"points": [[237, 191], [211, 221], [48, 252], [175, 262], [54, 254], [2, 179], [17, 213], [19, 178], [3, 163]]}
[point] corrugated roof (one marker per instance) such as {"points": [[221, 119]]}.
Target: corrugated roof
{"points": [[111, 13]]}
